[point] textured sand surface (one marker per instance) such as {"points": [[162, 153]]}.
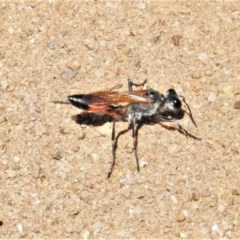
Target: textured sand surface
{"points": [[53, 171]]}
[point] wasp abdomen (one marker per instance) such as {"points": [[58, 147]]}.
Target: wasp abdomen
{"points": [[80, 100]]}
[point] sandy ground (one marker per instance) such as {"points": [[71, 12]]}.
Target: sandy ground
{"points": [[53, 171]]}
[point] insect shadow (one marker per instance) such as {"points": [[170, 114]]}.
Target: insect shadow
{"points": [[91, 119]]}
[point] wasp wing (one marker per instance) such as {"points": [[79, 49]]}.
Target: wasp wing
{"points": [[106, 100]]}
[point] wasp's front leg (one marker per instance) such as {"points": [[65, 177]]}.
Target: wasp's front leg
{"points": [[180, 129]]}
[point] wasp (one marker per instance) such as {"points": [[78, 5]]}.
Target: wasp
{"points": [[137, 107]]}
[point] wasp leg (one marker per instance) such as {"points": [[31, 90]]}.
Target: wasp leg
{"points": [[180, 129], [135, 129], [131, 84], [186, 133], [114, 146], [113, 130]]}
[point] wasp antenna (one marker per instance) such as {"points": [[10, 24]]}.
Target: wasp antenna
{"points": [[189, 112]]}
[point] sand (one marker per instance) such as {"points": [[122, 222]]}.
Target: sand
{"points": [[53, 171]]}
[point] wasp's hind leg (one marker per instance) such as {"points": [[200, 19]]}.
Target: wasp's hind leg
{"points": [[135, 129], [114, 146], [131, 84]]}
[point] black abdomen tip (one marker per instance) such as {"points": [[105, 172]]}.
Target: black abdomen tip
{"points": [[79, 101]]}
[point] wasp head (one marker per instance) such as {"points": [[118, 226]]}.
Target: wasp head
{"points": [[172, 100]]}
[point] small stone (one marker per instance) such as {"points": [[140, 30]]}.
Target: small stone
{"points": [[212, 202], [195, 196], [51, 44], [196, 75], [230, 201], [11, 173], [174, 199], [97, 227], [95, 157], [61, 43], [106, 129], [135, 210], [35, 170], [215, 227], [180, 217], [32, 40], [212, 97], [85, 234], [74, 64], [67, 75], [206, 193], [227, 89], [236, 191], [99, 72], [74, 212], [221, 208], [220, 51], [32, 117], [4, 137], [176, 40], [179, 190], [183, 235], [3, 166], [143, 164], [10, 30], [4, 84], [90, 43], [156, 39], [14, 119], [168, 224], [142, 5], [203, 57], [236, 105], [16, 159], [2, 119], [81, 135], [57, 154], [65, 130], [16, 167], [20, 227]]}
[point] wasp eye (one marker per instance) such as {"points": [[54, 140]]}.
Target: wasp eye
{"points": [[176, 103]]}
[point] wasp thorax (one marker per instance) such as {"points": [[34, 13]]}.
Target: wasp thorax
{"points": [[152, 94]]}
